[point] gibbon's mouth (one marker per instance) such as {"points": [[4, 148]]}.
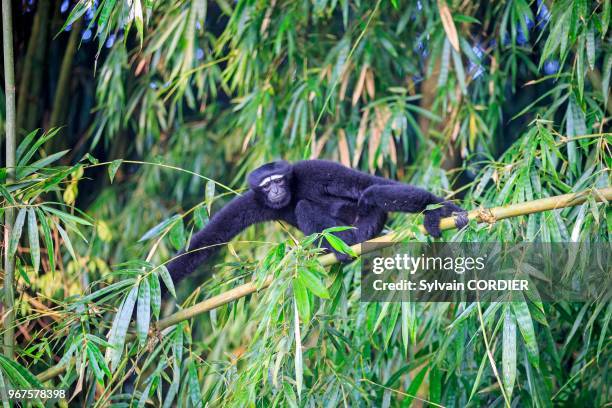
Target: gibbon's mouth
{"points": [[277, 198]]}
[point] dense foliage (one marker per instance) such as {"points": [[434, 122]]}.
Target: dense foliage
{"points": [[138, 119]]}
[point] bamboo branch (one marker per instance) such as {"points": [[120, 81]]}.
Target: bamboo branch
{"points": [[11, 143], [481, 215]]}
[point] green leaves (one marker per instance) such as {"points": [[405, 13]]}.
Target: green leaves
{"points": [[209, 194], [201, 217], [16, 232], [336, 243], [96, 362], [66, 217], [113, 167], [310, 280], [25, 152], [143, 311], [34, 240], [302, 299], [509, 352], [155, 294], [177, 235], [605, 83], [459, 71], [119, 329], [444, 63], [19, 377], [525, 324], [165, 275]]}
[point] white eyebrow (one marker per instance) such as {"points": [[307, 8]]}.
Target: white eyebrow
{"points": [[269, 179]]}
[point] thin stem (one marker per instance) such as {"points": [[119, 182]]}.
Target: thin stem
{"points": [[11, 142], [490, 355]]}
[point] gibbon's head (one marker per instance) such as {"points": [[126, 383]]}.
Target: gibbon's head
{"points": [[272, 184]]}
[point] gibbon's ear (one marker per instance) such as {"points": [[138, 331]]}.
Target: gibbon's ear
{"points": [[276, 168]]}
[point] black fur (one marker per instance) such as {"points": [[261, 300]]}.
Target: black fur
{"points": [[312, 195]]}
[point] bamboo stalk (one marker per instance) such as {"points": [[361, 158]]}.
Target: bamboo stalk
{"points": [[28, 63], [481, 215], [63, 81], [33, 65], [11, 143]]}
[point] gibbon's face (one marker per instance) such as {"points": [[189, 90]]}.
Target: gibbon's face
{"points": [[275, 188]]}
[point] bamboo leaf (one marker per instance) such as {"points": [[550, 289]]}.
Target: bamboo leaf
{"points": [[22, 161], [26, 170], [48, 239], [117, 286], [77, 12], [448, 24], [24, 145], [66, 217], [605, 18], [155, 294], [459, 71], [605, 82], [590, 47], [147, 391], [143, 311], [525, 324], [67, 241], [201, 217], [299, 367], [94, 364], [21, 374], [209, 194], [177, 234], [195, 395], [16, 232], [339, 245], [3, 392], [34, 240], [158, 229], [415, 384], [119, 329], [406, 319], [313, 283], [7, 195], [509, 353], [165, 275], [107, 8], [301, 299], [113, 167]]}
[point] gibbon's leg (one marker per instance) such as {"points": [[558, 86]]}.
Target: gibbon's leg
{"points": [[312, 218]]}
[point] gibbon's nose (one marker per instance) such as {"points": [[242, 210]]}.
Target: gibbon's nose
{"points": [[276, 193]]}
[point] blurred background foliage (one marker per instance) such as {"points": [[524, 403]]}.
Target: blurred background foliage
{"points": [[139, 118]]}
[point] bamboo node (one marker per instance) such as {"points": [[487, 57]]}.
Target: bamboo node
{"points": [[485, 215]]}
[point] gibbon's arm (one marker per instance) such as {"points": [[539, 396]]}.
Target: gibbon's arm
{"points": [[407, 198], [236, 216]]}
